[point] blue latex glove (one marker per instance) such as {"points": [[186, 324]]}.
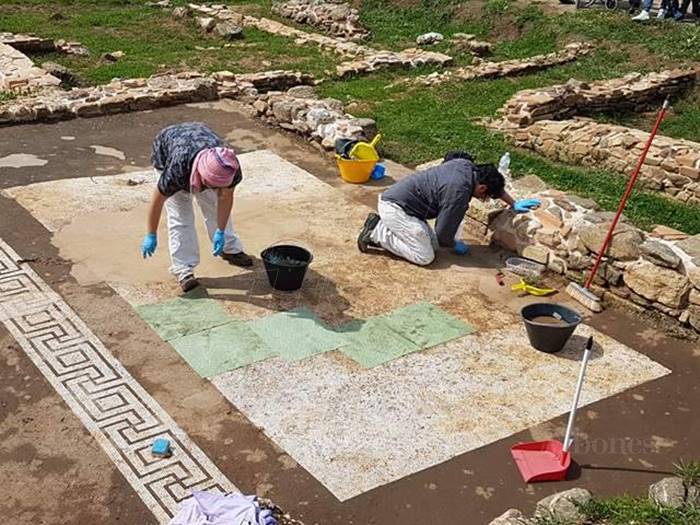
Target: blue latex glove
{"points": [[525, 205], [266, 517], [461, 248], [219, 242], [148, 246]]}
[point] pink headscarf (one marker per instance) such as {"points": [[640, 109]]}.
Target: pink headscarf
{"points": [[213, 167]]}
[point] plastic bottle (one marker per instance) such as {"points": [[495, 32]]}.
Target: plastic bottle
{"points": [[504, 164]]}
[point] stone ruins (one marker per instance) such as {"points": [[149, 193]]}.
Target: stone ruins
{"points": [[335, 18], [547, 122], [365, 58], [657, 271], [506, 68], [275, 95], [18, 74]]}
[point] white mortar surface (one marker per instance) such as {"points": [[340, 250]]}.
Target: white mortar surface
{"points": [[22, 160], [357, 429]]}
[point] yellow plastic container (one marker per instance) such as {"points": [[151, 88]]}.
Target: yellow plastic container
{"points": [[355, 171]]}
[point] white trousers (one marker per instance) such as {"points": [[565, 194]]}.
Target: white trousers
{"points": [[184, 247], [403, 235]]}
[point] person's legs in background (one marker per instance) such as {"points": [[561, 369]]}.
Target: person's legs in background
{"points": [[675, 10], [644, 14]]}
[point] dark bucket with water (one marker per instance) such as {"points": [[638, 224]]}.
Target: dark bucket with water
{"points": [[286, 266], [548, 336]]}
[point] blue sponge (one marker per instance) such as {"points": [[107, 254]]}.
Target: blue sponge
{"points": [[161, 447]]}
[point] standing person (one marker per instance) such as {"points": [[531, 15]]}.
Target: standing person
{"points": [[193, 162], [667, 8], [441, 193]]}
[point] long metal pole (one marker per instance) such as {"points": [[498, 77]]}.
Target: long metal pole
{"points": [[579, 387]]}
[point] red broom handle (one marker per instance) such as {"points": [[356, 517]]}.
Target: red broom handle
{"points": [[626, 196]]}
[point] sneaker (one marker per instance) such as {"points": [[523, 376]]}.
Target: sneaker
{"points": [[364, 240], [661, 14], [241, 259], [641, 17], [188, 282]]}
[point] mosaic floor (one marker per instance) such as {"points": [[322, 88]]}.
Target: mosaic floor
{"points": [[375, 372]]}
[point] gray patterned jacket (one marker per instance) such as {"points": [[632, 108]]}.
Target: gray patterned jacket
{"points": [[174, 151]]}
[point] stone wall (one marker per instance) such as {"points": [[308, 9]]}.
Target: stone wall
{"points": [[118, 96], [265, 81], [406, 59], [632, 92], [365, 58], [672, 166], [19, 74], [281, 98], [29, 43], [321, 120], [657, 271], [468, 43], [336, 18], [486, 69], [544, 121]]}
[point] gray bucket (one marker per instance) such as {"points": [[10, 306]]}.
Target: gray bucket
{"points": [[547, 337]]}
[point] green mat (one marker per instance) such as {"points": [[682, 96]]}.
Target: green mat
{"points": [[393, 335], [183, 316], [373, 342], [426, 325], [296, 334], [202, 332], [222, 348]]}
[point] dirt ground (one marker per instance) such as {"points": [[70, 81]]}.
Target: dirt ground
{"points": [[626, 441]]}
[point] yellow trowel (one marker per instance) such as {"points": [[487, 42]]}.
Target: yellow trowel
{"points": [[532, 290]]}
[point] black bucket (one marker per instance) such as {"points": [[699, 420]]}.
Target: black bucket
{"points": [[549, 337], [286, 266]]}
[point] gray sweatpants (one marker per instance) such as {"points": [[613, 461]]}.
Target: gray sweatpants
{"points": [[403, 235]]}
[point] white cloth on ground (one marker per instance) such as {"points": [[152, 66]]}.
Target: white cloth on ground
{"points": [[211, 508], [184, 247], [404, 235]]}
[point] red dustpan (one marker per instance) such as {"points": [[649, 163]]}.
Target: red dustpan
{"points": [[549, 460]]}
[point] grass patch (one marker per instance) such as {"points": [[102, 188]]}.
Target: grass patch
{"points": [[689, 472], [152, 40], [396, 26], [6, 96], [627, 510], [682, 121], [665, 40], [422, 124]]}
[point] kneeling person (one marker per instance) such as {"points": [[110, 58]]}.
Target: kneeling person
{"points": [[192, 162], [441, 193]]}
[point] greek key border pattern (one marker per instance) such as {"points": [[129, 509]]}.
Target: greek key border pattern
{"points": [[122, 417]]}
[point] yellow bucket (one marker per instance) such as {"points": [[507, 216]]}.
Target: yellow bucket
{"points": [[355, 171]]}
